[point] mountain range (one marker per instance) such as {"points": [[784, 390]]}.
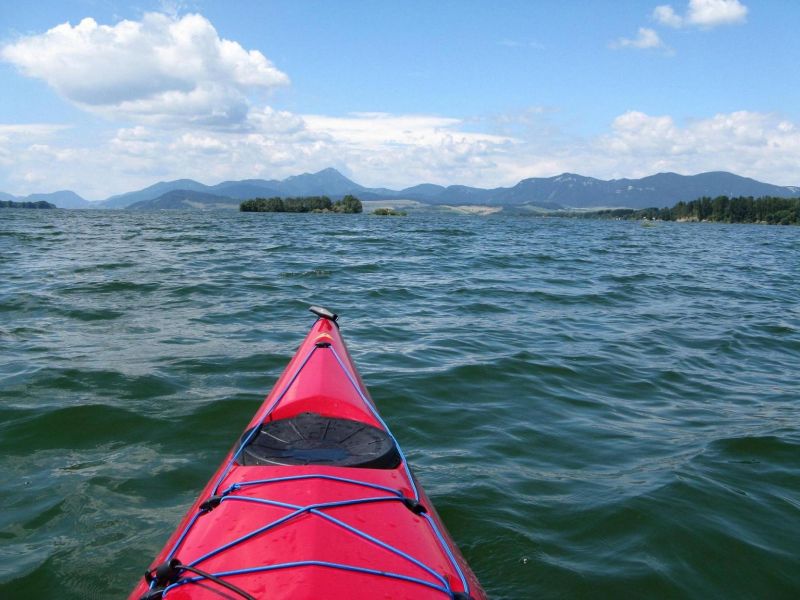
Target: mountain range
{"points": [[567, 190], [62, 199]]}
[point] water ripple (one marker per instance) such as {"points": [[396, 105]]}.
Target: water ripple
{"points": [[597, 409]]}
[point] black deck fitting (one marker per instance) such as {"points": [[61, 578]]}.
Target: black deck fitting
{"points": [[324, 313], [211, 503], [414, 506]]}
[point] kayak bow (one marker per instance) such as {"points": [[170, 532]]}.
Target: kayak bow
{"points": [[315, 500]]}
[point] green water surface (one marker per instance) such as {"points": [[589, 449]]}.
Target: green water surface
{"points": [[597, 409]]}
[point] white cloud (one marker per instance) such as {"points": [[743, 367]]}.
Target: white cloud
{"points": [[703, 13], [394, 149], [162, 68], [758, 145], [379, 149], [14, 136], [411, 130], [666, 15], [30, 130], [166, 70], [646, 39], [710, 13]]}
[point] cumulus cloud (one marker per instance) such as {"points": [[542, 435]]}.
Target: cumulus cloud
{"points": [[763, 146], [381, 149], [429, 148], [162, 68], [30, 131], [177, 71], [12, 137], [666, 15], [645, 39], [760, 145], [703, 13], [384, 128]]}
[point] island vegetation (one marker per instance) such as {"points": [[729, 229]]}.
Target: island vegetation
{"points": [[389, 212], [722, 209], [37, 204], [317, 204]]}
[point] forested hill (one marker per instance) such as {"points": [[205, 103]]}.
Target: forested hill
{"points": [[568, 190], [565, 190], [722, 209], [34, 204]]}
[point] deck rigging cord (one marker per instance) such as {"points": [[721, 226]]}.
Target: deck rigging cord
{"points": [[172, 568]]}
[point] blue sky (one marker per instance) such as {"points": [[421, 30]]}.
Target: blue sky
{"points": [[103, 97]]}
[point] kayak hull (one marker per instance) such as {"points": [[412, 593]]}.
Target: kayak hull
{"points": [[313, 530]]}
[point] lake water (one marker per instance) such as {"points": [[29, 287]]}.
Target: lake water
{"points": [[597, 409]]}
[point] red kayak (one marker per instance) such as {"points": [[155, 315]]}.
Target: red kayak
{"points": [[315, 501]]}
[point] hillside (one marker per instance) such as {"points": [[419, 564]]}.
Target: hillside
{"points": [[577, 191], [151, 193], [60, 199], [185, 199], [568, 190]]}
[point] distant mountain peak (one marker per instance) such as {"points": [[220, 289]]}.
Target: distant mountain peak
{"points": [[61, 198], [328, 182], [329, 171], [567, 189]]}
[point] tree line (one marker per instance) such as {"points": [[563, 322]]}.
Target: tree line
{"points": [[739, 209], [26, 204], [348, 204]]}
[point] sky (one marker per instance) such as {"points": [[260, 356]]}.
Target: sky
{"points": [[103, 97]]}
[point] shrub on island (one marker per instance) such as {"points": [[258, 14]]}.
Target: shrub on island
{"points": [[318, 204], [38, 204], [389, 212]]}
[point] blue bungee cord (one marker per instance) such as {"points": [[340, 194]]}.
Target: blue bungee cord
{"points": [[315, 509], [427, 518]]}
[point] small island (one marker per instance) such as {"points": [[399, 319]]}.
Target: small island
{"points": [[766, 210], [389, 212], [315, 204], [36, 205]]}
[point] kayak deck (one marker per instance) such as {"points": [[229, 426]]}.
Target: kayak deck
{"points": [[316, 500]]}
